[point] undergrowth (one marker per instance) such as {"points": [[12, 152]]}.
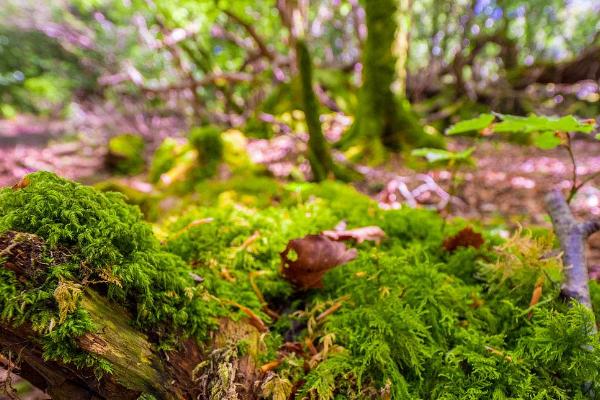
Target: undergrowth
{"points": [[416, 321]]}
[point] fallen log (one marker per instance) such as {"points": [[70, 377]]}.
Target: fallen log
{"points": [[138, 366]]}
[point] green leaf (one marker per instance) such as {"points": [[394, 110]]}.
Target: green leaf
{"points": [[441, 156], [535, 123], [571, 124], [598, 136], [546, 140], [475, 124]]}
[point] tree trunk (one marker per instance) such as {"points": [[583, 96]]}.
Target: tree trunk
{"points": [[384, 119], [138, 366], [319, 155], [402, 46]]}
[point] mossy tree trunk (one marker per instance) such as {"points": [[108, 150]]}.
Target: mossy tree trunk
{"points": [[319, 154], [384, 119], [402, 46]]}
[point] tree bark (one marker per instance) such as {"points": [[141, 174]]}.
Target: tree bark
{"points": [[384, 119], [572, 236]]}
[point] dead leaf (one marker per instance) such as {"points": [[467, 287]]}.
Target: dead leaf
{"points": [[465, 238], [371, 233], [315, 255], [23, 183], [537, 294]]}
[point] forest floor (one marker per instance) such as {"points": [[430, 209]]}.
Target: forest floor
{"points": [[505, 188]]}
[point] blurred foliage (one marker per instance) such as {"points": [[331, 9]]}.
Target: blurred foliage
{"points": [[36, 73], [126, 154], [222, 63]]}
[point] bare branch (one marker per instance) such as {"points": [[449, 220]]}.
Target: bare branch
{"points": [[590, 227], [260, 43], [571, 236]]}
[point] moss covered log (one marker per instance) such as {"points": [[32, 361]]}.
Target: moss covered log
{"points": [[87, 292]]}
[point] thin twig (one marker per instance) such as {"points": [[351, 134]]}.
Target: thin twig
{"points": [[574, 164]]}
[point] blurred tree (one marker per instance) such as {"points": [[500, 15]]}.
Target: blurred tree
{"points": [[384, 119], [319, 155]]}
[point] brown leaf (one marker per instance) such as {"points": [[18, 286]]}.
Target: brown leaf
{"points": [[537, 294], [23, 183], [465, 238], [372, 233], [315, 255]]}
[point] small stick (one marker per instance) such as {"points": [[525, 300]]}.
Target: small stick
{"points": [[251, 277], [572, 236], [332, 309], [271, 365], [254, 319]]}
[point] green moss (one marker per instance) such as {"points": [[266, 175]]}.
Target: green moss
{"points": [[126, 154], [414, 321], [249, 191], [209, 145], [164, 158], [113, 246], [148, 202]]}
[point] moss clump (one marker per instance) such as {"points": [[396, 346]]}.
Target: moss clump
{"points": [[113, 247], [126, 154], [416, 326], [415, 321], [148, 202], [209, 145], [164, 158], [179, 165]]}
